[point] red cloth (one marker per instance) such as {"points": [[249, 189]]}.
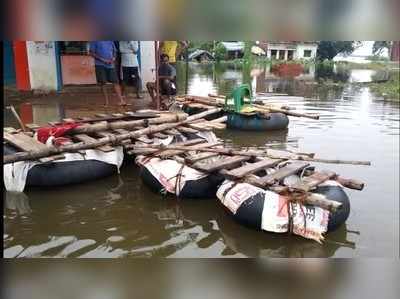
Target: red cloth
{"points": [[58, 131]]}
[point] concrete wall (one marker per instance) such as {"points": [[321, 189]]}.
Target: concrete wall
{"points": [[147, 61], [300, 51], [42, 62]]}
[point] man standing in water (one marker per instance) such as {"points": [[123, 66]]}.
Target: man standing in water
{"points": [[130, 65], [104, 53], [167, 80]]}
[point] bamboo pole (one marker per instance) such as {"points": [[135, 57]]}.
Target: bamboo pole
{"points": [[233, 152], [157, 56], [203, 100], [103, 126], [14, 112], [113, 139]]}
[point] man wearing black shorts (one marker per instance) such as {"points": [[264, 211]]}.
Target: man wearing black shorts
{"points": [[104, 53], [130, 65]]}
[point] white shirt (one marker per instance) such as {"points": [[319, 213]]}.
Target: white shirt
{"points": [[129, 50]]}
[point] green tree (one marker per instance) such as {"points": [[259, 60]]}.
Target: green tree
{"points": [[329, 49], [220, 52]]}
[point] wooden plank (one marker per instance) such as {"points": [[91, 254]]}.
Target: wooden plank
{"points": [[32, 127], [169, 153], [160, 135], [143, 139], [69, 120], [251, 168], [172, 132], [26, 143], [198, 127], [280, 174], [199, 157], [225, 163], [10, 130], [187, 130], [102, 115], [88, 139], [146, 151], [106, 134], [310, 182]]}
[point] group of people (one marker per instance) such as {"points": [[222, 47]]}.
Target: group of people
{"points": [[117, 63]]}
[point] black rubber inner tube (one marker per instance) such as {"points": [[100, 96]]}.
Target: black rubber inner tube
{"points": [[250, 212], [203, 188], [65, 173], [336, 193]]}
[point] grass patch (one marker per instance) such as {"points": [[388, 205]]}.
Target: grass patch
{"points": [[389, 90]]}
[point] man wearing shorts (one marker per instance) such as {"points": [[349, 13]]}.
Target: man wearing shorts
{"points": [[130, 65], [104, 53]]}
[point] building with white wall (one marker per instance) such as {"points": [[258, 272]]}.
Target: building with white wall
{"points": [[292, 50], [50, 65]]}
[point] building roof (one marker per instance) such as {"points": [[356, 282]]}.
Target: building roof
{"points": [[199, 52]]}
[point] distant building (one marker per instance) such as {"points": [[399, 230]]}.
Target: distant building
{"points": [[235, 49], [291, 50]]}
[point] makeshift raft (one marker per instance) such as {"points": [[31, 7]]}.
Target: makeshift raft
{"points": [[86, 159], [243, 112], [270, 190]]}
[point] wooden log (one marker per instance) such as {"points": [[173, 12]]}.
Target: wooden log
{"points": [[32, 127], [280, 174], [199, 157], [143, 139], [322, 201], [250, 168], [224, 163], [169, 153], [310, 182], [88, 139], [199, 127], [11, 130], [314, 199], [32, 155], [287, 112], [106, 134], [187, 130], [222, 119], [183, 143], [267, 154], [211, 125], [27, 144], [159, 135], [172, 132], [350, 183], [87, 129], [20, 122], [265, 108]]}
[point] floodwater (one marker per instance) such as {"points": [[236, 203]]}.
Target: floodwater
{"points": [[120, 217]]}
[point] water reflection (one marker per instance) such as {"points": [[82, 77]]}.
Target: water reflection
{"points": [[118, 217]]}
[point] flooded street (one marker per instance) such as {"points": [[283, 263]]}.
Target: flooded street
{"points": [[120, 217]]}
